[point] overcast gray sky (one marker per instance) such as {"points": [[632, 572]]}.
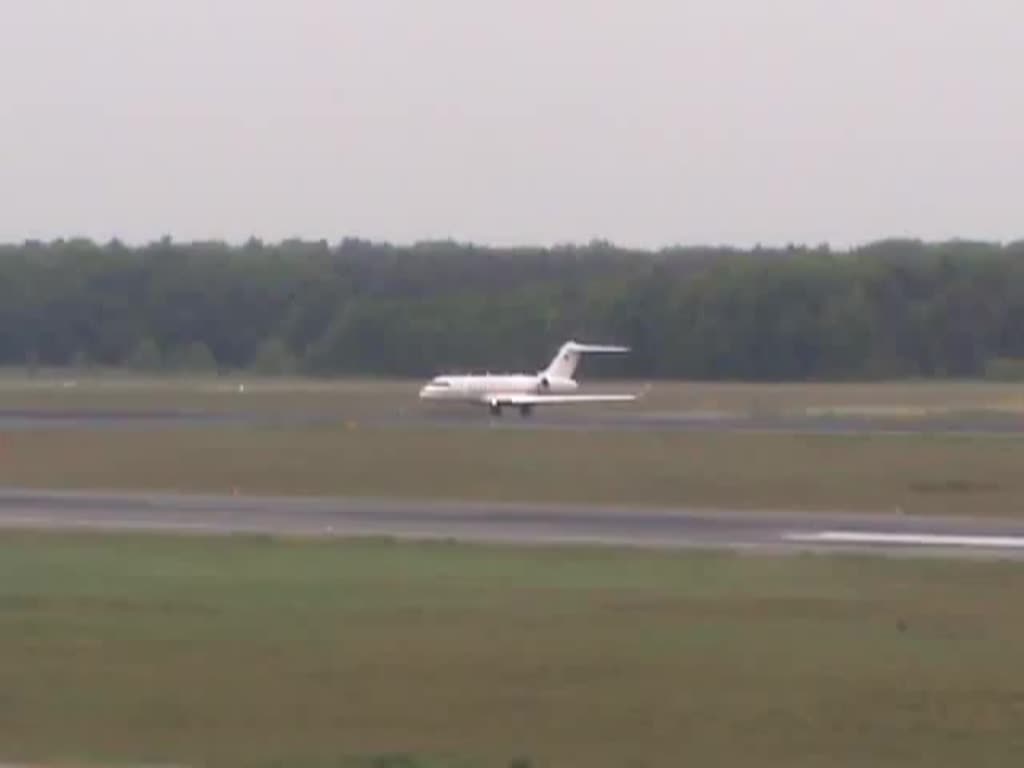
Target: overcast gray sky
{"points": [[646, 122]]}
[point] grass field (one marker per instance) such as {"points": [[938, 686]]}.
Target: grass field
{"points": [[908, 474], [925, 473], [256, 652]]}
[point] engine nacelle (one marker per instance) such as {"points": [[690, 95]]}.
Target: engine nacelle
{"points": [[551, 385]]}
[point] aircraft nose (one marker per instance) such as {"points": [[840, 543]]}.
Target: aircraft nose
{"points": [[425, 392]]}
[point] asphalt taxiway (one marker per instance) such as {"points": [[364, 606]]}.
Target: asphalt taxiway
{"points": [[770, 532]]}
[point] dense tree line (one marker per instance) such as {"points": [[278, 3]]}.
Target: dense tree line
{"points": [[891, 309]]}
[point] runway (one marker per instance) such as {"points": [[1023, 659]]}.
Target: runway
{"points": [[768, 532], [468, 418]]}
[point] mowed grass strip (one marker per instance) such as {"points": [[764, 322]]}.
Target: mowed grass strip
{"points": [[904, 474], [260, 652]]}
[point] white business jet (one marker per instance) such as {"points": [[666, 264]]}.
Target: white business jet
{"points": [[554, 385]]}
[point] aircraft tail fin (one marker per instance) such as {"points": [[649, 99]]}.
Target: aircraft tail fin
{"points": [[564, 364]]}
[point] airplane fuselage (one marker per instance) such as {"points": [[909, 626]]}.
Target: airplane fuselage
{"points": [[483, 388]]}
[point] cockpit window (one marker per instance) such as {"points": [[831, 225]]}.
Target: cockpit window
{"points": [[440, 383]]}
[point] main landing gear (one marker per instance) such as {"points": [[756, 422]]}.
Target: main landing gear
{"points": [[525, 410]]}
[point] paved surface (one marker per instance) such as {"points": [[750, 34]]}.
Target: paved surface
{"points": [[21, 420], [994, 424], [759, 531], [467, 417]]}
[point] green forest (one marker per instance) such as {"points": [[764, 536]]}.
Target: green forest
{"points": [[897, 308]]}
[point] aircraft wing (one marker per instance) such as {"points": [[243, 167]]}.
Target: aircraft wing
{"points": [[525, 399]]}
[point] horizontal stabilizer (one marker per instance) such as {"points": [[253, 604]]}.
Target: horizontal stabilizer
{"points": [[568, 357], [576, 347]]}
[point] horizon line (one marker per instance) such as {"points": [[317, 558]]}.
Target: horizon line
{"points": [[596, 242]]}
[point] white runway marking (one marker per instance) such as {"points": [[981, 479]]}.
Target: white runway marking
{"points": [[909, 539]]}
